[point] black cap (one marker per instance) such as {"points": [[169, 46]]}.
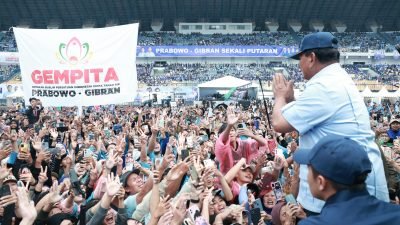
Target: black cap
{"points": [[58, 218], [125, 176]]}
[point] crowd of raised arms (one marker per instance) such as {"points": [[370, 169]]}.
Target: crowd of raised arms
{"points": [[120, 164]]}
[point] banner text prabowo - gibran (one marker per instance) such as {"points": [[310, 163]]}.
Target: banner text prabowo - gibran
{"points": [[80, 66]]}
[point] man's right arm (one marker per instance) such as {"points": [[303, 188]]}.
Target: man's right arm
{"points": [[311, 109], [284, 94], [279, 122]]}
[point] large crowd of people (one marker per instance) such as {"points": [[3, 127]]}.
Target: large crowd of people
{"points": [[349, 41], [138, 165], [327, 157], [7, 42], [8, 71], [360, 41], [260, 38], [201, 72]]}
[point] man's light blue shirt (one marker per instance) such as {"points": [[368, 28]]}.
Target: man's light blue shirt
{"points": [[331, 104]]}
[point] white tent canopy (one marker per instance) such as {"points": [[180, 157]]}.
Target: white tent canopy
{"points": [[367, 93], [397, 93], [384, 93], [225, 82]]}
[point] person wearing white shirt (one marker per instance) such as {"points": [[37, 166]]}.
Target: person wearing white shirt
{"points": [[330, 104]]}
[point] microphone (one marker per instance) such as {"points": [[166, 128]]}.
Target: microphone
{"points": [[398, 48]]}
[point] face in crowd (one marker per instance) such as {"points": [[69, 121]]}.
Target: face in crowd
{"points": [[219, 204], [269, 200], [245, 175], [395, 126], [134, 184]]}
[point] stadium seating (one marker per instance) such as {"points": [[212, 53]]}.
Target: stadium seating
{"points": [[8, 71], [348, 41], [197, 73], [7, 42], [201, 72]]}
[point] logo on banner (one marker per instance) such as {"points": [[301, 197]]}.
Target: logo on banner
{"points": [[74, 52]]}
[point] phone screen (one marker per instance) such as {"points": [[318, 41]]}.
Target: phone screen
{"points": [[5, 190], [194, 212], [189, 141], [277, 190], [8, 212], [255, 215], [91, 136], [145, 129], [266, 181], [290, 199], [185, 154], [45, 145], [208, 163], [258, 204]]}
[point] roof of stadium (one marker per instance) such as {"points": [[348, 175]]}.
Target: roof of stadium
{"points": [[100, 13]]}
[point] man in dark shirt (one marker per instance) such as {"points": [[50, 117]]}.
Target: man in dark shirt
{"points": [[33, 111], [337, 170]]}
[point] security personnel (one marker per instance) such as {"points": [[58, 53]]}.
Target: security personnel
{"points": [[337, 170]]}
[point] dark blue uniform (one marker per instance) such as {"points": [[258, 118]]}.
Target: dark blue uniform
{"points": [[352, 208]]}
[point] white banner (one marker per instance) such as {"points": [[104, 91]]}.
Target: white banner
{"points": [[79, 67]]}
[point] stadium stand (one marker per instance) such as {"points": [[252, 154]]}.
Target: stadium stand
{"points": [[7, 42], [178, 72], [8, 71], [202, 72], [348, 41]]}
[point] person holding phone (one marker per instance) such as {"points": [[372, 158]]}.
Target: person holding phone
{"points": [[229, 149]]}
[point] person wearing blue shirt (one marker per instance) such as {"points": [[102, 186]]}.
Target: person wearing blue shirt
{"points": [[394, 130], [330, 104], [337, 170]]}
